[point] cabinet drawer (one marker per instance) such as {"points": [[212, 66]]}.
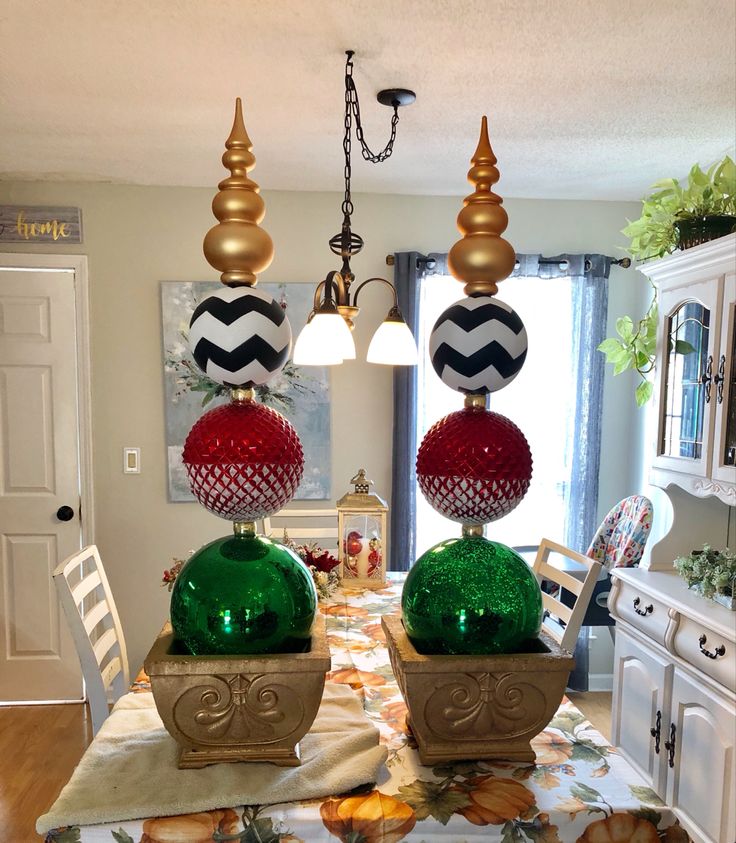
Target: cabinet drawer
{"points": [[642, 611], [693, 638]]}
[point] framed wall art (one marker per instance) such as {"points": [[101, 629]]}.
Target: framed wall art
{"points": [[302, 394]]}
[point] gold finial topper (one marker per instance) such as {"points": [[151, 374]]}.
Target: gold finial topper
{"points": [[362, 483], [482, 257], [362, 498], [237, 245]]}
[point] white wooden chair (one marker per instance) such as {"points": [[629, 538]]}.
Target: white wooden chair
{"points": [[85, 596], [560, 621], [305, 526]]}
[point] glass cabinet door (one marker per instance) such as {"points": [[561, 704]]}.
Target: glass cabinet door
{"points": [[724, 441], [686, 360], [687, 363], [727, 396]]}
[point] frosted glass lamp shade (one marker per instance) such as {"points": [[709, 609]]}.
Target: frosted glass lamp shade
{"points": [[393, 345], [333, 330], [311, 350]]}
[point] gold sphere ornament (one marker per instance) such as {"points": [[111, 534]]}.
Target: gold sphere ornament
{"points": [[482, 257], [237, 246]]}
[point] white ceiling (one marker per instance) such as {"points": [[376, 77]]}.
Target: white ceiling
{"points": [[585, 98]]}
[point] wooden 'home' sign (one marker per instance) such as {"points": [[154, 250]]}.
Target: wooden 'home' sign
{"points": [[40, 224]]}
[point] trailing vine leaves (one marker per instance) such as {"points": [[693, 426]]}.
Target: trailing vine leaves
{"points": [[634, 349]]}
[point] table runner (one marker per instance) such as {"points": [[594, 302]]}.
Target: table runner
{"points": [[133, 748], [579, 791]]}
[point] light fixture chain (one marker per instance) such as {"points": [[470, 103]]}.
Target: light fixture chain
{"points": [[347, 205], [351, 96]]}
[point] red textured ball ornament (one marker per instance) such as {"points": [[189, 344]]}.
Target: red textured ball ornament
{"points": [[353, 546], [244, 461], [474, 466]]}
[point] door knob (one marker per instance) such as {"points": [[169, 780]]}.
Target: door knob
{"points": [[65, 513]]}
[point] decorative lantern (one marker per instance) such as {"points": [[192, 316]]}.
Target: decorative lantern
{"points": [[361, 528]]}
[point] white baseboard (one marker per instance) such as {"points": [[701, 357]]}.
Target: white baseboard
{"points": [[600, 681]]}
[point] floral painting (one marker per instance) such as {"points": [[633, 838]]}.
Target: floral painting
{"points": [[300, 394]]}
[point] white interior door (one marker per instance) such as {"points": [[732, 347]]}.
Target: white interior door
{"points": [[39, 477]]}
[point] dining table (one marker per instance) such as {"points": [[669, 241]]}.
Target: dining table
{"points": [[578, 790]]}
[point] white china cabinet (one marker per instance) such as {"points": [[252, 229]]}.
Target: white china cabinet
{"points": [[696, 396], [674, 697]]}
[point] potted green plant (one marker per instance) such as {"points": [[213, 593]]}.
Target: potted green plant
{"points": [[678, 215], [712, 573], [673, 216]]}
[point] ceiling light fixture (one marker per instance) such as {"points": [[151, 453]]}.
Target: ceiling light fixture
{"points": [[326, 339]]}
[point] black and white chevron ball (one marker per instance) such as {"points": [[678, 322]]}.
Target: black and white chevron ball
{"points": [[240, 336], [478, 345]]}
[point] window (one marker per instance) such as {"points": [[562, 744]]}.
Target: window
{"points": [[538, 401]]}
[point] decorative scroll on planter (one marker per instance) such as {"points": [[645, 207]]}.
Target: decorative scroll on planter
{"points": [[238, 708], [487, 706]]}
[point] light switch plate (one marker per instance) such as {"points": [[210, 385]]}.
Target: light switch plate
{"points": [[131, 460]]}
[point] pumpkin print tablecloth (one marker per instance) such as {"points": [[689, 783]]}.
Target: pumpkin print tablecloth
{"points": [[580, 790]]}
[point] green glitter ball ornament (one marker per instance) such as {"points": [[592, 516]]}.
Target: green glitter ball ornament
{"points": [[243, 595], [471, 596]]}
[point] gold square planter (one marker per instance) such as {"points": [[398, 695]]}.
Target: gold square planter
{"points": [[238, 708], [477, 707]]}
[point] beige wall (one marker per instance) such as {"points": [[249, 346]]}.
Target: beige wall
{"points": [[138, 236]]}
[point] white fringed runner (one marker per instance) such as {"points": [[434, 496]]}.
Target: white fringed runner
{"points": [[130, 769]]}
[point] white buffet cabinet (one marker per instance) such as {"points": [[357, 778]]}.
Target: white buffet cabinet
{"points": [[674, 697]]}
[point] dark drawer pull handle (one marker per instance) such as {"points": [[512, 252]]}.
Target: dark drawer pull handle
{"points": [[719, 379], [656, 731], [707, 378], [647, 610], [719, 651], [671, 744]]}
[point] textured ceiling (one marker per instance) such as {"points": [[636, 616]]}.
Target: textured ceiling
{"points": [[585, 98]]}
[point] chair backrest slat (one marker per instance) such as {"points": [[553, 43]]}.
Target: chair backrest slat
{"points": [[110, 671], [303, 525], [97, 613], [554, 607], [567, 581], [583, 589], [86, 586], [104, 644], [83, 619]]}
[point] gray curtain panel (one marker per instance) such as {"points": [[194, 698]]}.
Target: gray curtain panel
{"points": [[408, 272], [410, 269], [590, 312]]}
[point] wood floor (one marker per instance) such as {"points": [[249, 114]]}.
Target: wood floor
{"points": [[41, 744], [596, 706]]}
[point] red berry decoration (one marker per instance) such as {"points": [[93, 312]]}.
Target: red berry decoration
{"points": [[474, 466], [244, 461]]}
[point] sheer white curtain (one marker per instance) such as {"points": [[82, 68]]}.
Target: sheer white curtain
{"points": [[540, 401]]}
